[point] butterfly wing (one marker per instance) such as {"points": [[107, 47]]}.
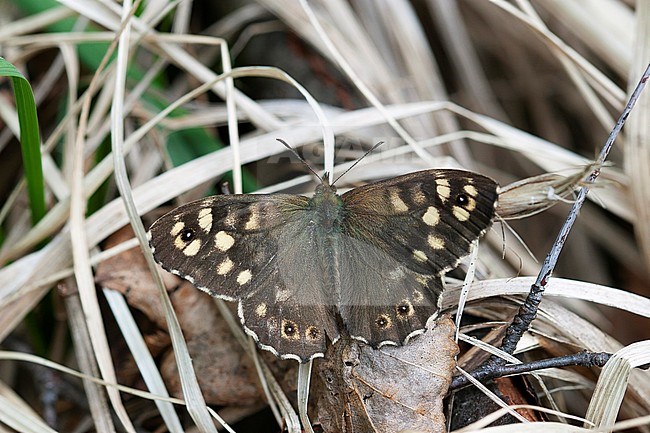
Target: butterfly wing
{"points": [[407, 231], [254, 249], [381, 300]]}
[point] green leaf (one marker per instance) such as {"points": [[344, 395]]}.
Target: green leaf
{"points": [[29, 138]]}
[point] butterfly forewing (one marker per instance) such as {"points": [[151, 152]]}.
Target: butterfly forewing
{"points": [[221, 243], [426, 220]]}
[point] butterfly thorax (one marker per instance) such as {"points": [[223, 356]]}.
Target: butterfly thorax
{"points": [[327, 207]]}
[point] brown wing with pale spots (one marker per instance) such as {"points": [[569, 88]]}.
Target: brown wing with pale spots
{"points": [[293, 324], [426, 219], [292, 310], [405, 233], [383, 301], [222, 243], [258, 250]]}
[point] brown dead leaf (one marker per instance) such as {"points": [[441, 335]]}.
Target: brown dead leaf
{"points": [[225, 373], [390, 389]]}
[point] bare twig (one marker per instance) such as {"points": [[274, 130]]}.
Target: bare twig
{"points": [[528, 310], [584, 359]]}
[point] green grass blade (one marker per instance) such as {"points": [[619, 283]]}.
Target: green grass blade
{"points": [[29, 138]]}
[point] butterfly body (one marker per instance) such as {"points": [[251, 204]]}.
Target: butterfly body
{"points": [[366, 264]]}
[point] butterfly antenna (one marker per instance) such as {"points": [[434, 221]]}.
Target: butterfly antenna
{"points": [[292, 150], [358, 161]]}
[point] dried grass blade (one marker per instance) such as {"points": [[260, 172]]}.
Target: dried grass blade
{"points": [[637, 151], [142, 356], [85, 357], [612, 384]]}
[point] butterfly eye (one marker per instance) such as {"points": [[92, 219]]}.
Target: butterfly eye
{"points": [[187, 235], [462, 199]]}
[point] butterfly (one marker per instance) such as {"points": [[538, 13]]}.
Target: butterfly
{"points": [[367, 264]]}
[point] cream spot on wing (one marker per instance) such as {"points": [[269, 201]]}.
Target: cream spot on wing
{"points": [[418, 197], [431, 217], [422, 280], [253, 222], [223, 240], [442, 188], [435, 242], [471, 190], [282, 295], [225, 266], [420, 256], [230, 220], [397, 202], [471, 204], [417, 296], [176, 229], [244, 277], [193, 248], [260, 310], [205, 219], [460, 213], [272, 323], [179, 243]]}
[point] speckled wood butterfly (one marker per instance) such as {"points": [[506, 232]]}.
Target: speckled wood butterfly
{"points": [[366, 264]]}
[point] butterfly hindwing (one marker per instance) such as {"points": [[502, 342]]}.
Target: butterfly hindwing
{"points": [[382, 301], [292, 310]]}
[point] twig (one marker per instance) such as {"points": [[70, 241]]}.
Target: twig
{"points": [[584, 359], [528, 310]]}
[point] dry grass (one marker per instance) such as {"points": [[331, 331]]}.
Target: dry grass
{"points": [[507, 89]]}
